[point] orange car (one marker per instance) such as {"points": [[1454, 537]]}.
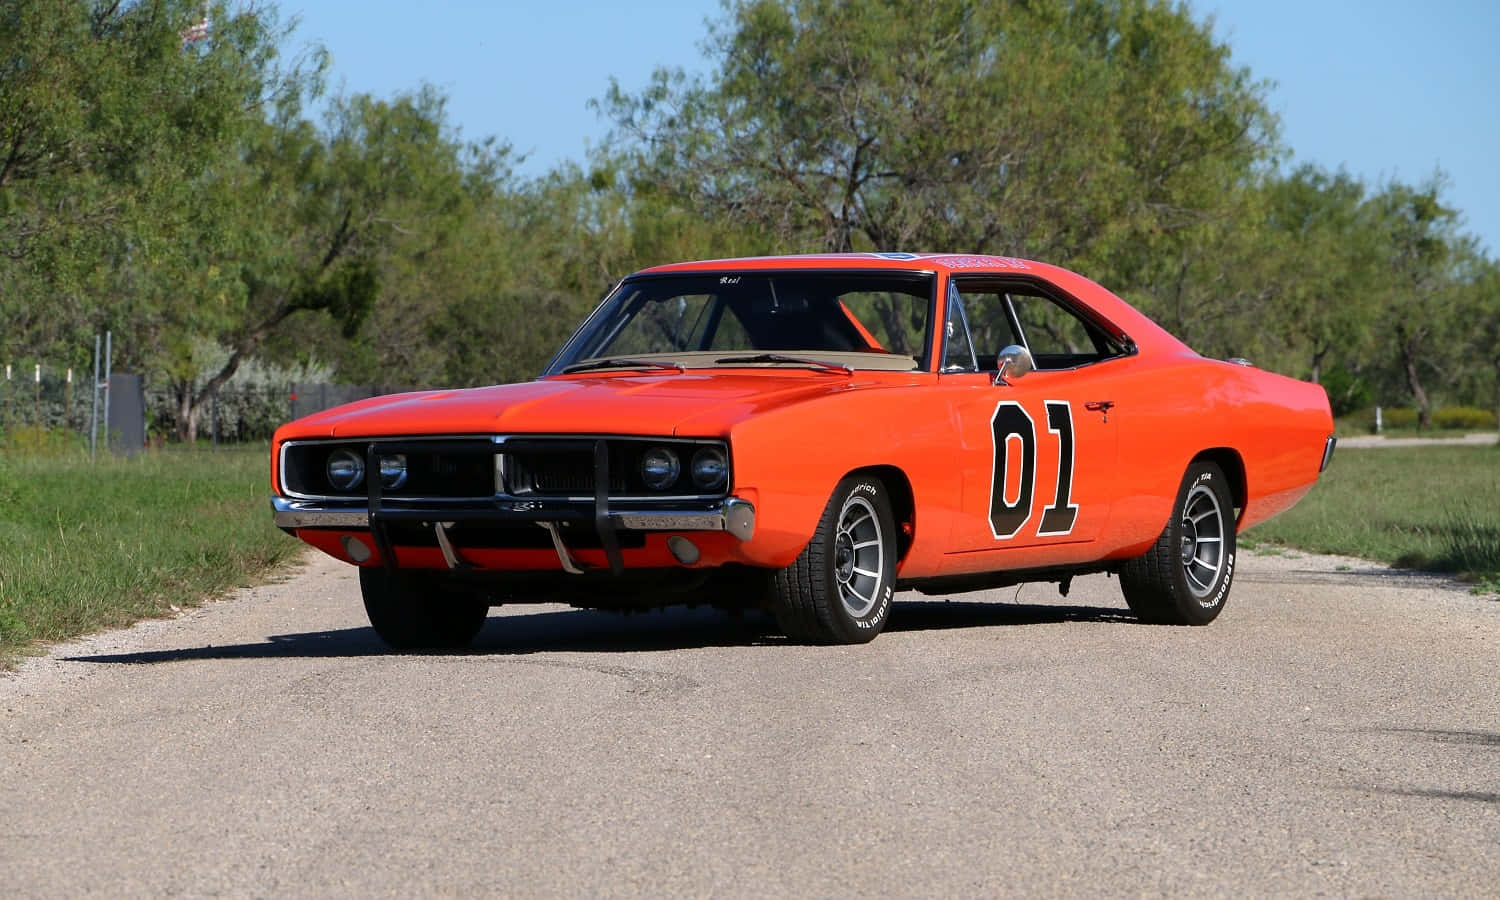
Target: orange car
{"points": [[808, 435]]}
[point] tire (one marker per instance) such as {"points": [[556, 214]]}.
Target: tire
{"points": [[411, 613], [839, 590], [1184, 578]]}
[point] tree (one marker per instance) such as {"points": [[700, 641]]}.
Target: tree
{"points": [[1081, 132], [1327, 256], [1417, 297], [319, 217], [108, 118]]}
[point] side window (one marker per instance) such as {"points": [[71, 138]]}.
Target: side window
{"points": [[958, 349], [1058, 338], [1052, 333], [990, 324]]}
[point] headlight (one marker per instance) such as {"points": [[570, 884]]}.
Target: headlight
{"points": [[393, 470], [660, 468], [710, 469], [345, 470]]}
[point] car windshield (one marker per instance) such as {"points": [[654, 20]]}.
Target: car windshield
{"points": [[828, 321]]}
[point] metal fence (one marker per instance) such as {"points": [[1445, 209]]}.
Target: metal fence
{"points": [[133, 414]]}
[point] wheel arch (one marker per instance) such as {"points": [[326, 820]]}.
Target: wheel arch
{"points": [[1233, 465], [903, 503]]}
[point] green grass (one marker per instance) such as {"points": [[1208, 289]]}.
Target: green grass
{"points": [[85, 546], [1434, 508]]}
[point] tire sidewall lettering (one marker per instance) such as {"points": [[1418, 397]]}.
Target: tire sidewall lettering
{"points": [[1224, 581], [878, 614]]}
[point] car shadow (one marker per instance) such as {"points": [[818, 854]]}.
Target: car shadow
{"points": [[1482, 741], [675, 628]]}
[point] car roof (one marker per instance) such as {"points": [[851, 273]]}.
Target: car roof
{"points": [[920, 262], [1123, 318]]}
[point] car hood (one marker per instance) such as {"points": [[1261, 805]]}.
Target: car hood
{"points": [[699, 404]]}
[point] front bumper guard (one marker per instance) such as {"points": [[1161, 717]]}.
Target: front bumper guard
{"points": [[733, 515]]}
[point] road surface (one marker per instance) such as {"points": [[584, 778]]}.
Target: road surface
{"points": [[1336, 731]]}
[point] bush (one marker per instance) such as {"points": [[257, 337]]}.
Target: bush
{"points": [[1398, 417], [39, 441], [1466, 417]]}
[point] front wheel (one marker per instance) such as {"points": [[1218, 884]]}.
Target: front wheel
{"points": [[839, 590], [1184, 578], [411, 613]]}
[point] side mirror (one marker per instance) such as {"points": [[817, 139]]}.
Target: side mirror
{"points": [[1013, 363]]}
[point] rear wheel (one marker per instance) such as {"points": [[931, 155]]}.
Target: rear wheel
{"points": [[1184, 578], [413, 613], [839, 590]]}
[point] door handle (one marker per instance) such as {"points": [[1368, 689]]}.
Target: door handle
{"points": [[1103, 406]]}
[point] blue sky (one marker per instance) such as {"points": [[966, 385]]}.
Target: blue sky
{"points": [[1380, 88]]}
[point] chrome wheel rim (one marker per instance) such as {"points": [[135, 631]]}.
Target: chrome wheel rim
{"points": [[858, 556], [1202, 541]]}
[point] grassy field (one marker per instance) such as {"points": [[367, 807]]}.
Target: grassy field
{"points": [[1434, 507], [84, 546]]}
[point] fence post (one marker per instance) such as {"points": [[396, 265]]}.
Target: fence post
{"points": [[94, 416], [109, 362], [68, 401], [39, 395]]}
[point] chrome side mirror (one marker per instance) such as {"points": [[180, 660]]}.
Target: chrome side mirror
{"points": [[1013, 363]]}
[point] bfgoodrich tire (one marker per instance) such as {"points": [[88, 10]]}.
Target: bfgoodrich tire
{"points": [[839, 590], [411, 613], [1184, 578]]}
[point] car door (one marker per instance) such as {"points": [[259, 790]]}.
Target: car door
{"points": [[1037, 450]]}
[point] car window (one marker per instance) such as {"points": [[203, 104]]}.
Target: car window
{"points": [[1049, 329], [891, 322], [878, 320], [990, 325], [1057, 337], [681, 322]]}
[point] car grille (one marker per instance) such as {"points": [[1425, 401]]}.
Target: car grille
{"points": [[464, 468], [556, 474]]}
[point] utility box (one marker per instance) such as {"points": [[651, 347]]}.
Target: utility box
{"points": [[125, 414]]}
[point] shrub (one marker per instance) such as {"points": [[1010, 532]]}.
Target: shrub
{"points": [[1399, 417], [37, 440], [1466, 417]]}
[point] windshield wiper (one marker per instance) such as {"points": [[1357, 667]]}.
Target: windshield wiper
{"points": [[818, 364], [622, 364]]}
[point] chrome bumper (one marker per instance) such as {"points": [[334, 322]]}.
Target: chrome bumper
{"points": [[733, 515]]}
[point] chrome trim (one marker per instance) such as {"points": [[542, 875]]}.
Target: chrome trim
{"points": [[291, 513], [499, 440], [734, 515], [569, 564], [739, 518], [1328, 453], [450, 556]]}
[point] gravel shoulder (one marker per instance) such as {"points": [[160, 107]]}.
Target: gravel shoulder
{"points": [[1336, 731]]}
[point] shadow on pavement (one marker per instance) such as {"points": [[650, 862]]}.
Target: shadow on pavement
{"points": [[1487, 740], [675, 628]]}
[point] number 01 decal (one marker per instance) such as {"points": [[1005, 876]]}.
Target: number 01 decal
{"points": [[1013, 424]]}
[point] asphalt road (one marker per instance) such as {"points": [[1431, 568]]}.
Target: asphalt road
{"points": [[1337, 731]]}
